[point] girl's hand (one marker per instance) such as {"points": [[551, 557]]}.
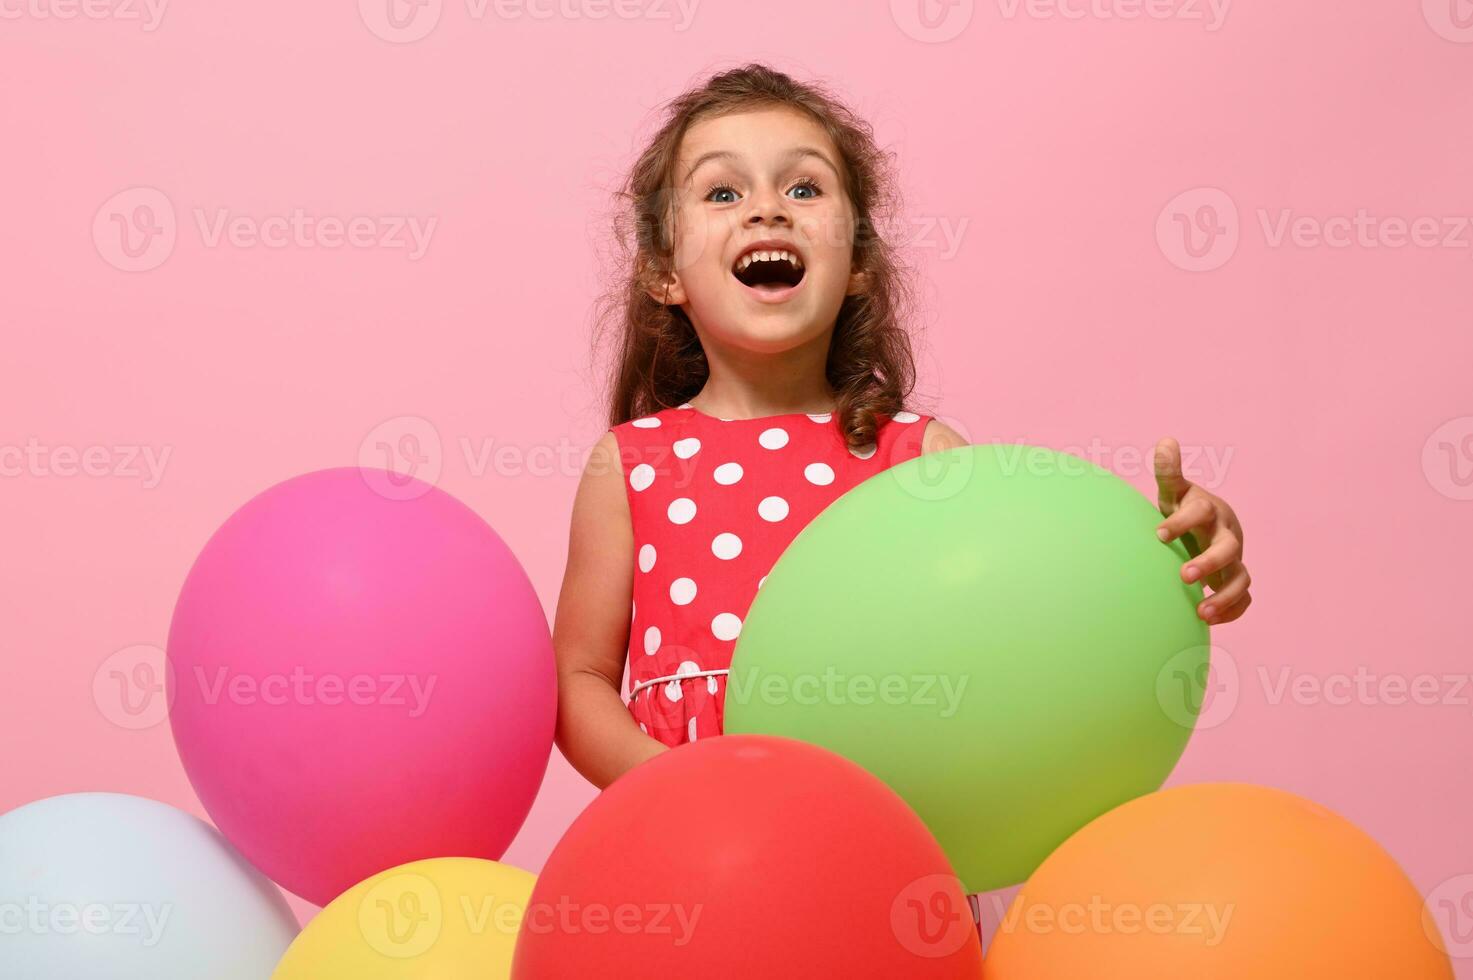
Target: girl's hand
{"points": [[1213, 537]]}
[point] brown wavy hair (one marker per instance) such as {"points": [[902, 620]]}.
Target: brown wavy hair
{"points": [[660, 361]]}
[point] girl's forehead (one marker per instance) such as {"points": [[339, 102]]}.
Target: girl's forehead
{"points": [[753, 134]]}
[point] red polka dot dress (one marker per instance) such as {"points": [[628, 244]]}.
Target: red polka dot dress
{"points": [[713, 503]]}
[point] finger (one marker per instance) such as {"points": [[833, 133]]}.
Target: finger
{"points": [[1171, 486], [1224, 550], [1231, 612], [1234, 587], [1196, 512]]}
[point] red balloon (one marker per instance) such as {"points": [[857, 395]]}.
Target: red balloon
{"points": [[748, 856]]}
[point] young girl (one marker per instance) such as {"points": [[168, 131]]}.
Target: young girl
{"points": [[763, 371]]}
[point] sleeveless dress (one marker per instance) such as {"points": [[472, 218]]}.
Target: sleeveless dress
{"points": [[713, 504]]}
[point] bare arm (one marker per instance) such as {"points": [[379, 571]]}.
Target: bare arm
{"points": [[591, 630]]}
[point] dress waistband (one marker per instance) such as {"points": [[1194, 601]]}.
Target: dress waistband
{"points": [[673, 677]]}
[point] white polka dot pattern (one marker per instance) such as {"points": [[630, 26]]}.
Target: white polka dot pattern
{"points": [[683, 591], [726, 546], [774, 438], [726, 626], [713, 504], [728, 473], [772, 508], [819, 474]]}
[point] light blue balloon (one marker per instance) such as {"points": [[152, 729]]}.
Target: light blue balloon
{"points": [[106, 886]]}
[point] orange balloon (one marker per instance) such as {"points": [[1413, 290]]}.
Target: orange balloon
{"points": [[1218, 881]]}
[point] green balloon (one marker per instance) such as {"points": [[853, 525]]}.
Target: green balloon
{"points": [[997, 633]]}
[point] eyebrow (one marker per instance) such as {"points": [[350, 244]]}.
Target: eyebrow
{"points": [[797, 152]]}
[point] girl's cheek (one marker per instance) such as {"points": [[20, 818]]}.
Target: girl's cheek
{"points": [[690, 248], [828, 232]]}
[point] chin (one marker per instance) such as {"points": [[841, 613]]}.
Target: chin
{"points": [[772, 333]]}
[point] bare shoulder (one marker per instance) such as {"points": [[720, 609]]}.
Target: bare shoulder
{"points": [[600, 497], [939, 436], [603, 458]]}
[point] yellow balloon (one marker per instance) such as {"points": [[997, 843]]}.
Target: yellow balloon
{"points": [[442, 917]]}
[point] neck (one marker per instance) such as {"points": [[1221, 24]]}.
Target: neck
{"points": [[749, 384]]}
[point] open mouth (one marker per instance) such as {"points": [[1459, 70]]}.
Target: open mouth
{"points": [[769, 270]]}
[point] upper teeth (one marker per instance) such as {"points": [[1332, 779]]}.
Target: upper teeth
{"points": [[772, 256]]}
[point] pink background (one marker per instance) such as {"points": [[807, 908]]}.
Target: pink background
{"points": [[1319, 382]]}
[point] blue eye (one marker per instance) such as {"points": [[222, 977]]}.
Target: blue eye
{"points": [[810, 185], [715, 188], [804, 184]]}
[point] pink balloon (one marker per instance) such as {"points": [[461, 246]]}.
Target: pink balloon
{"points": [[361, 676]]}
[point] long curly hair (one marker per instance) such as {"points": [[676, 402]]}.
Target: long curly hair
{"points": [[659, 359]]}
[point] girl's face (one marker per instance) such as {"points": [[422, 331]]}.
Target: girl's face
{"points": [[749, 179]]}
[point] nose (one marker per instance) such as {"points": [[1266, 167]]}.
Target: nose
{"points": [[767, 205]]}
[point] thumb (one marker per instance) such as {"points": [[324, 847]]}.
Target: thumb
{"points": [[1170, 484]]}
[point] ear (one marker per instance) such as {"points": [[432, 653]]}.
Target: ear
{"points": [[664, 290], [858, 284]]}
